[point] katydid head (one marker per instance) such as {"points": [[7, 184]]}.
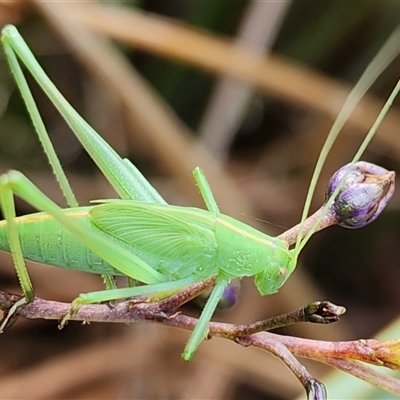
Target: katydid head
{"points": [[277, 271]]}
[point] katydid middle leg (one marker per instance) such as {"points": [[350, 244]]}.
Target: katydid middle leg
{"points": [[205, 190]]}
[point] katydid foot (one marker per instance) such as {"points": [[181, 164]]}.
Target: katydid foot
{"points": [[75, 306], [11, 315]]}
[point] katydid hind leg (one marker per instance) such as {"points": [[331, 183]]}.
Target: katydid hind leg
{"points": [[8, 208], [138, 189], [144, 190], [109, 162], [38, 123], [54, 162], [120, 172]]}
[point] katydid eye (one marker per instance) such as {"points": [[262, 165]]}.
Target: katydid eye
{"points": [[282, 271]]}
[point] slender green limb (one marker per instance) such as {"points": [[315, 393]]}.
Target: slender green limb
{"points": [[39, 125], [139, 189], [8, 208], [11, 315], [109, 162], [119, 257], [205, 190], [109, 282], [157, 291], [201, 330], [142, 190]]}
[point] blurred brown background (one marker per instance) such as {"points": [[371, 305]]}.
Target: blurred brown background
{"points": [[247, 90]]}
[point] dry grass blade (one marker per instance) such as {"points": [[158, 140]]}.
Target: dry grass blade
{"points": [[227, 107], [292, 84]]}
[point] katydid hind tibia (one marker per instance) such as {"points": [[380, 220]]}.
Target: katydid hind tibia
{"points": [[165, 247]]}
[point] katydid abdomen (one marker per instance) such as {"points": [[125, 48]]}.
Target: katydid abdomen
{"points": [[45, 240], [178, 242]]}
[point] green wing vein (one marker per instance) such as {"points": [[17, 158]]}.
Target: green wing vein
{"points": [[169, 233]]}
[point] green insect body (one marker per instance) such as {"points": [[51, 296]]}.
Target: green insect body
{"points": [[176, 241], [185, 241], [167, 248]]}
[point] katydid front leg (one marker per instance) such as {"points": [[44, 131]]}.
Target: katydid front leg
{"points": [[201, 329]]}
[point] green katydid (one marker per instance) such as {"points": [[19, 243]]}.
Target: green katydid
{"points": [[140, 236]]}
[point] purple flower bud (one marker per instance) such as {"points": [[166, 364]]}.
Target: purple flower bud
{"points": [[364, 194]]}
